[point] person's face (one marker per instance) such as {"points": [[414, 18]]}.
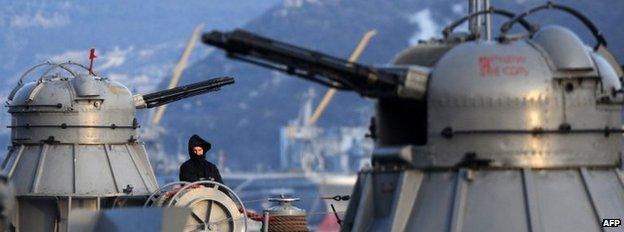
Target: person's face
{"points": [[199, 151]]}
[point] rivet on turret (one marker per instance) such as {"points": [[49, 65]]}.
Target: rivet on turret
{"points": [[51, 140], [128, 189], [64, 125], [469, 175], [569, 87], [565, 127], [607, 131], [135, 123], [447, 132], [472, 160]]}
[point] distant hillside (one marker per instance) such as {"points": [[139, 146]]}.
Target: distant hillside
{"points": [[243, 119]]}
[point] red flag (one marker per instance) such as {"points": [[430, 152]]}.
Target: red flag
{"points": [[92, 57]]}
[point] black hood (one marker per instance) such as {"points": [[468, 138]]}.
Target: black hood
{"points": [[195, 141]]}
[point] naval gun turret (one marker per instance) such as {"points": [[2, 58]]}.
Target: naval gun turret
{"points": [[75, 144], [513, 133]]}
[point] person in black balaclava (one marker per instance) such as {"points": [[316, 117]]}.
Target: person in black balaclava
{"points": [[197, 167]]}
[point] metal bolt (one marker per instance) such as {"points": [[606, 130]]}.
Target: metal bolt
{"points": [[469, 175], [128, 189], [569, 87]]}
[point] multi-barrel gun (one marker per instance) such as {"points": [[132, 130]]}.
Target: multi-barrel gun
{"points": [[170, 95], [320, 68]]}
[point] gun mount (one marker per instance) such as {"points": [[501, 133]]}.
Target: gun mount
{"points": [[75, 144], [320, 68]]}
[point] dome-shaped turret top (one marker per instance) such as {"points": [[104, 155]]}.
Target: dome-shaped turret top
{"points": [[75, 108], [527, 103]]}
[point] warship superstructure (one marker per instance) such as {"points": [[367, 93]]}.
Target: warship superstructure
{"points": [[518, 132]]}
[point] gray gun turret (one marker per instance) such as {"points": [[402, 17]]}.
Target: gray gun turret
{"points": [[75, 144], [517, 132]]}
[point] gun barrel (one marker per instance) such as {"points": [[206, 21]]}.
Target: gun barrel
{"points": [[170, 95], [311, 65]]}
